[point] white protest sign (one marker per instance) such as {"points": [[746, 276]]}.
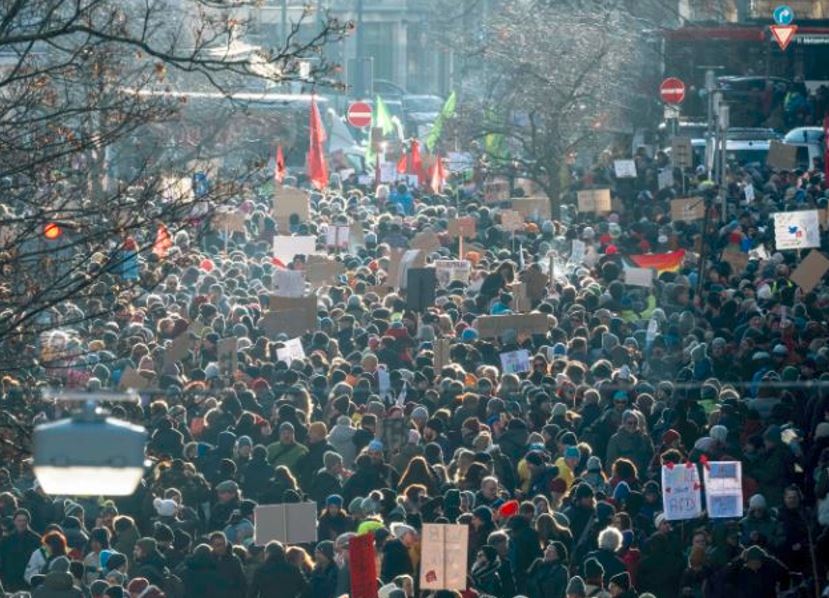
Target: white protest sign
{"points": [[639, 277], [749, 192], [448, 271], [286, 247], [365, 179], [292, 351], [388, 172], [515, 362], [681, 492], [665, 178], [294, 523], [653, 330], [512, 220], [577, 252], [625, 169], [289, 283], [383, 381], [337, 236], [441, 567], [723, 489], [796, 230]]}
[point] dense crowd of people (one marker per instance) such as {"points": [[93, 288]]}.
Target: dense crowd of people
{"points": [[556, 471]]}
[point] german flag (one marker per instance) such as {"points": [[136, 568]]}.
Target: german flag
{"points": [[661, 262]]}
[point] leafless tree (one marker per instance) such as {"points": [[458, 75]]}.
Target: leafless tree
{"points": [[87, 86]]}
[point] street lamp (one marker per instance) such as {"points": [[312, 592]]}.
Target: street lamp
{"points": [[89, 454]]}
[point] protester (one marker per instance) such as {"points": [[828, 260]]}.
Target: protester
{"points": [[398, 414]]}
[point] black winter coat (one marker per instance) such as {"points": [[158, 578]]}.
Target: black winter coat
{"points": [[278, 579]]}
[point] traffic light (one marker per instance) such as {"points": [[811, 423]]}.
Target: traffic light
{"points": [[52, 231]]}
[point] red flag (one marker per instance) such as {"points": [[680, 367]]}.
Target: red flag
{"points": [[826, 149], [438, 175], [362, 566], [403, 164], [317, 168], [279, 169], [417, 163], [163, 242]]}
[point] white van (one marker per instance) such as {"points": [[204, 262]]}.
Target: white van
{"points": [[809, 142]]}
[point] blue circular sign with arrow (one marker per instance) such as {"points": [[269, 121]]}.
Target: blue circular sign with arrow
{"points": [[783, 15]]}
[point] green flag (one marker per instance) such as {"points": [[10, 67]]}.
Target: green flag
{"points": [[494, 143], [381, 117], [447, 112]]}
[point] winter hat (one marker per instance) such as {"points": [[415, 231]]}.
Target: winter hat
{"points": [[165, 508], [147, 544], [484, 513], [227, 486], [584, 490], [593, 569], [71, 508], [59, 565], [508, 509], [627, 538], [326, 547], [398, 530], [622, 580], [244, 441], [335, 500], [576, 587], [594, 464], [98, 587], [572, 452], [758, 501], [719, 433], [115, 560]]}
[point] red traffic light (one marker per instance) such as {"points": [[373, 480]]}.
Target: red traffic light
{"points": [[52, 231]]}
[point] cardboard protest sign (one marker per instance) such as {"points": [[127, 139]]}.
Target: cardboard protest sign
{"points": [[337, 236], [440, 565], [132, 380], [594, 200], [230, 221], [639, 277], [285, 247], [462, 227], [292, 523], [179, 348], [723, 489], [796, 230], [736, 258], [356, 237], [681, 492], [320, 273], [426, 241], [624, 169], [399, 263], [362, 566], [515, 362], [442, 347], [512, 220], [532, 208], [810, 272], [291, 316], [291, 351], [495, 191], [495, 326], [290, 204], [781, 156], [687, 209], [448, 271], [289, 283], [520, 299], [682, 152]]}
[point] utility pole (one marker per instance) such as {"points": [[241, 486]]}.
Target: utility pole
{"points": [[724, 116], [710, 144], [284, 21], [359, 88]]}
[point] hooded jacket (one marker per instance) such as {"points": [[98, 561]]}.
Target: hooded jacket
{"points": [[57, 585]]}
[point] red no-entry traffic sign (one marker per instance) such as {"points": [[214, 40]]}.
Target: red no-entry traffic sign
{"points": [[672, 90], [359, 114]]}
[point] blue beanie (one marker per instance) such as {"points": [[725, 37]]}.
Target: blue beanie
{"points": [[559, 349], [621, 492], [334, 499], [469, 335]]}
